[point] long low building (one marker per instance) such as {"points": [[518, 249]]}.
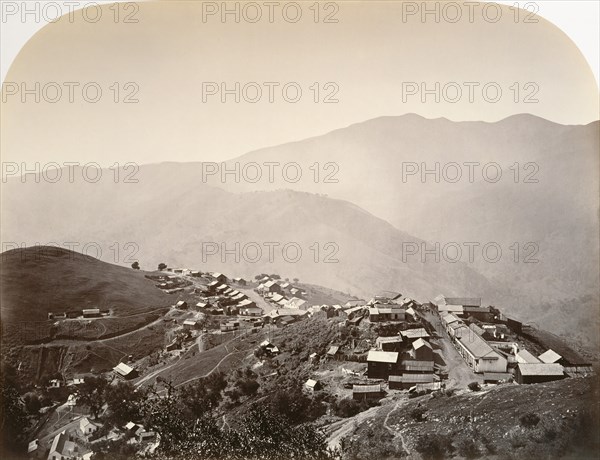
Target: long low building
{"points": [[479, 355], [539, 372], [406, 381], [417, 367], [363, 392]]}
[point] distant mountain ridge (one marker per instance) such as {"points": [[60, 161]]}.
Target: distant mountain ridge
{"points": [[171, 211]]}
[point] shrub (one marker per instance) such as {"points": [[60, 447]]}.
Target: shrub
{"points": [[434, 446], [474, 386], [347, 407], [417, 413], [468, 449], [529, 420]]}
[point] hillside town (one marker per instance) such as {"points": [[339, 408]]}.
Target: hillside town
{"points": [[388, 345]]}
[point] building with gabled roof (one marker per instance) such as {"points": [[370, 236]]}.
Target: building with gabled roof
{"points": [[393, 343], [406, 381], [62, 448], [458, 329], [380, 364], [538, 372], [296, 302], [421, 350], [312, 385], [124, 371], [271, 286], [411, 366], [364, 392], [355, 303], [333, 352], [479, 355], [87, 427], [414, 334]]}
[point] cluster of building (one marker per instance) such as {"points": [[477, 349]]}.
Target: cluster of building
{"points": [[281, 293], [480, 336], [83, 313], [405, 360], [76, 440]]}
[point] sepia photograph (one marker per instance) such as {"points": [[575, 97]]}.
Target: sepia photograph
{"points": [[299, 230]]}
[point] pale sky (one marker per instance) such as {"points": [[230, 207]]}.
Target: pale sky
{"points": [[365, 61]]}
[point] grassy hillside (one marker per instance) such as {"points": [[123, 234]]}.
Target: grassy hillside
{"points": [[542, 421], [36, 281]]}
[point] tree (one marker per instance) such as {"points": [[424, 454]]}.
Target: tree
{"points": [[124, 402], [296, 280], [161, 266], [91, 393], [275, 276], [32, 403], [135, 265], [13, 420]]}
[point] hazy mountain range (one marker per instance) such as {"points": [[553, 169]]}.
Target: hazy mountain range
{"points": [[369, 215]]}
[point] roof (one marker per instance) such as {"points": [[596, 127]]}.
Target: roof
{"points": [[392, 339], [355, 303], [277, 297], [130, 425], [411, 311], [366, 388], [527, 357], [245, 302], [123, 369], [311, 383], [475, 328], [412, 378], [217, 274], [62, 444], [420, 343], [450, 318], [333, 350], [478, 347], [464, 301], [415, 333], [473, 309], [189, 322], [540, 369], [33, 445], [295, 302], [270, 283], [389, 308], [411, 365], [85, 422], [549, 356], [382, 356]]}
